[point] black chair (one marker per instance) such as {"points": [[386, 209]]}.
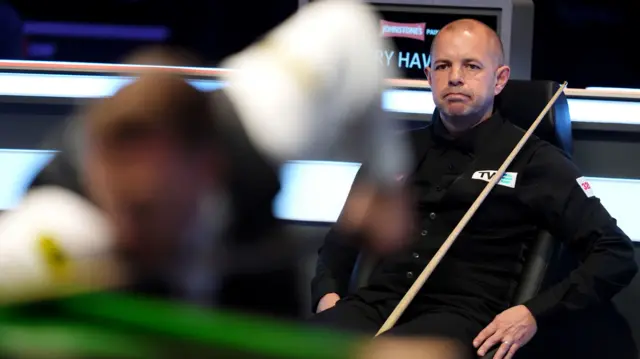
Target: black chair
{"points": [[521, 102]]}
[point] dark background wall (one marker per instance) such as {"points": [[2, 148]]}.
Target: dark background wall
{"points": [[585, 42]]}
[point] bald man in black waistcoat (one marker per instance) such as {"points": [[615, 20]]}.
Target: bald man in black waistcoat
{"points": [[467, 298]]}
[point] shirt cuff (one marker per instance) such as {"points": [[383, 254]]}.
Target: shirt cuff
{"points": [[543, 305]]}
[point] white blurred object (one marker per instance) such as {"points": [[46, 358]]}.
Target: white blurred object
{"points": [[311, 90], [54, 243]]}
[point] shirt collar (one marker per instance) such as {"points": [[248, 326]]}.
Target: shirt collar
{"points": [[471, 140], [195, 274]]}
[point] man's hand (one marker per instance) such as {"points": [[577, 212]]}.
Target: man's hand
{"points": [[513, 328], [327, 302]]}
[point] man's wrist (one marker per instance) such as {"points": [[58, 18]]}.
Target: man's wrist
{"points": [[530, 312]]}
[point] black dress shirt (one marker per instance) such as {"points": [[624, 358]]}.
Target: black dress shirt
{"points": [[542, 189]]}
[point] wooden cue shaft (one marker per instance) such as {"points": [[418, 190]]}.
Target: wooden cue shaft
{"points": [[422, 278]]}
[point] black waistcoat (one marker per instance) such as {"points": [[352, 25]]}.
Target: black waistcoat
{"points": [[479, 274]]}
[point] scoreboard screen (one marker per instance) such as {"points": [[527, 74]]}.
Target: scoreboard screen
{"points": [[412, 29]]}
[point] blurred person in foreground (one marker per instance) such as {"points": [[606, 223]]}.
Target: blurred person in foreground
{"points": [[175, 172], [468, 296]]}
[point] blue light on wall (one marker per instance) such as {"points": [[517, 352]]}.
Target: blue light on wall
{"points": [[581, 110], [17, 169], [96, 31], [394, 100], [73, 86], [316, 191], [313, 191]]}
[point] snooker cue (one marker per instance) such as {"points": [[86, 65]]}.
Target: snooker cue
{"points": [[422, 278]]}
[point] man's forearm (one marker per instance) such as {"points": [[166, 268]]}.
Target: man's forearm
{"points": [[333, 270], [325, 283], [608, 268]]}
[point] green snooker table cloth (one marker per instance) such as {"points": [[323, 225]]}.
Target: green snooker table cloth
{"points": [[109, 325]]}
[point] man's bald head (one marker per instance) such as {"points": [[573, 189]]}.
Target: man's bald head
{"points": [[467, 71], [481, 30]]}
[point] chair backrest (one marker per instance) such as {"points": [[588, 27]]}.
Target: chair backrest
{"points": [[521, 102]]}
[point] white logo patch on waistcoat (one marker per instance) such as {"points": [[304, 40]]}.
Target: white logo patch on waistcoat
{"points": [[507, 180]]}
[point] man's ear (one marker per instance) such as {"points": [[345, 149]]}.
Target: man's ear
{"points": [[427, 72], [502, 77]]}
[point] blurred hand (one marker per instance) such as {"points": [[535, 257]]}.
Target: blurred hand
{"points": [[513, 328], [389, 222], [55, 243], [385, 219], [410, 348], [327, 302]]}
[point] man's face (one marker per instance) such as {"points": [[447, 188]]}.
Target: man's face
{"points": [[465, 75], [151, 192]]}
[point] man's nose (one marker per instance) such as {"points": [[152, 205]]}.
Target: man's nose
{"points": [[455, 77]]}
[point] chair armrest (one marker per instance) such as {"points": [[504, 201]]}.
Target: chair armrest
{"points": [[535, 267], [533, 273], [364, 266]]}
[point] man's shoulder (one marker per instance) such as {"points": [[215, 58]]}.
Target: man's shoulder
{"points": [[553, 158], [535, 146], [546, 160], [63, 170], [421, 130]]}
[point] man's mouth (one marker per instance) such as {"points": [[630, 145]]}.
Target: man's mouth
{"points": [[456, 97]]}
